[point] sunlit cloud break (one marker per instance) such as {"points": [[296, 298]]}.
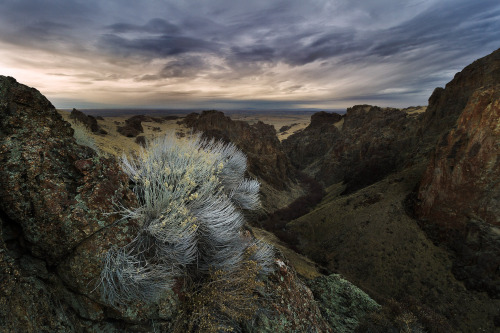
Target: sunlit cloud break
{"points": [[232, 54]]}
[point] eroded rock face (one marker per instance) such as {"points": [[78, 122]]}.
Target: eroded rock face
{"points": [[266, 159], [57, 190], [371, 143], [310, 145], [459, 195], [461, 180], [460, 192], [445, 105]]}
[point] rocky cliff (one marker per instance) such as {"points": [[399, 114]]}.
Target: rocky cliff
{"points": [[459, 194], [446, 104], [359, 149], [308, 146]]}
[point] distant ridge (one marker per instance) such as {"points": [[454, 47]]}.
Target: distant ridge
{"points": [[116, 112]]}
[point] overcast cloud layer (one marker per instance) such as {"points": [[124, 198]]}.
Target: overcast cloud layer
{"points": [[242, 54]]}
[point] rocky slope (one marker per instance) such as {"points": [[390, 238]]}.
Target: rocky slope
{"points": [[367, 237], [55, 224]]}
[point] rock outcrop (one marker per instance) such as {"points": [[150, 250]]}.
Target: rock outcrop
{"points": [[133, 125], [343, 304], [371, 143], [459, 195], [310, 145], [57, 200], [89, 121], [446, 104], [132, 128]]}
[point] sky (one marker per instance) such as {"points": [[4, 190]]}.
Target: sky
{"points": [[232, 54]]}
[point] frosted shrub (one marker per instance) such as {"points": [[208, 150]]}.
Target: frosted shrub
{"points": [[190, 194], [83, 136]]}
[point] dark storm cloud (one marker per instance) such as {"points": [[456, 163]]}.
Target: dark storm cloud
{"points": [[154, 46], [276, 32], [444, 27], [254, 53], [324, 46], [156, 25], [447, 26], [187, 66]]}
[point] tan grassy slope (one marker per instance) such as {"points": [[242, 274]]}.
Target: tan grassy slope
{"points": [[114, 143], [367, 237]]}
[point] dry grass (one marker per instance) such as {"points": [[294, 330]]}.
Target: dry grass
{"points": [[116, 144]]}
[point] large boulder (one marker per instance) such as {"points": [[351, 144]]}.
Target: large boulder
{"points": [[57, 211]]}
